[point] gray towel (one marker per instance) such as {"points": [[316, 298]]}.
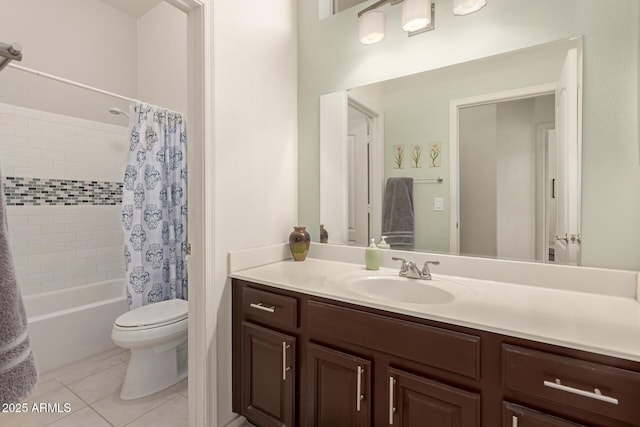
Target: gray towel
{"points": [[18, 374], [397, 213]]}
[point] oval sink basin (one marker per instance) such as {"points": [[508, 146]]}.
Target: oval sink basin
{"points": [[401, 289]]}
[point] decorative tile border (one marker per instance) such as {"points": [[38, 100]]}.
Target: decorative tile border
{"points": [[41, 191]]}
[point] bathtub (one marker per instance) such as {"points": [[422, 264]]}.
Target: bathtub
{"points": [[69, 325]]}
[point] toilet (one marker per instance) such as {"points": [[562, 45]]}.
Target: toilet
{"points": [[156, 334]]}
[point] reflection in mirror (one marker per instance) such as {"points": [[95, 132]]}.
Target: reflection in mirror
{"points": [[492, 147]]}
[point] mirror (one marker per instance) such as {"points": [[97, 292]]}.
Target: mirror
{"points": [[478, 141], [607, 163]]}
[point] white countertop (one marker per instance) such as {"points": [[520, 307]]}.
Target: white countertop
{"points": [[604, 324]]}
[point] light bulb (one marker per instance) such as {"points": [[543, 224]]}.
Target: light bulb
{"points": [[372, 27], [465, 7], [416, 14]]}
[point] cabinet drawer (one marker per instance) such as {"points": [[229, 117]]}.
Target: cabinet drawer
{"points": [[448, 350], [269, 308], [592, 387], [519, 416]]}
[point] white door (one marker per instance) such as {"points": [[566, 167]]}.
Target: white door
{"points": [[334, 166], [358, 194], [567, 244]]}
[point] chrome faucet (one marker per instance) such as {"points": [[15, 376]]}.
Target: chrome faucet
{"points": [[410, 269]]}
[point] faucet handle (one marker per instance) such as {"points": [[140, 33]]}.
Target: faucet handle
{"points": [[405, 265], [426, 273]]}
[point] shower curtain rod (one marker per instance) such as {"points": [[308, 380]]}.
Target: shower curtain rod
{"points": [[70, 82]]}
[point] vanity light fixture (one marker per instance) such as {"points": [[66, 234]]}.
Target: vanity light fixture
{"points": [[465, 7], [372, 26], [418, 16]]}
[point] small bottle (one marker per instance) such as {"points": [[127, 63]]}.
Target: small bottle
{"points": [[383, 243], [372, 256]]}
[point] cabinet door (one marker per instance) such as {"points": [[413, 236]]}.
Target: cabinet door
{"points": [[415, 401], [268, 376], [519, 416], [339, 388]]}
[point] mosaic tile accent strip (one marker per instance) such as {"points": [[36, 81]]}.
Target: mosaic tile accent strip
{"points": [[47, 192]]}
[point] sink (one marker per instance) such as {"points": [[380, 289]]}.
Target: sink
{"points": [[401, 289]]}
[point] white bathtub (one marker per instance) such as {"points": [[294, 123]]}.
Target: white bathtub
{"points": [[68, 325]]}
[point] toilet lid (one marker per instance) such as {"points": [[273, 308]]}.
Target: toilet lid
{"points": [[154, 314]]}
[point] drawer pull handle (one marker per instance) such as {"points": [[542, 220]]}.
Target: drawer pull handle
{"points": [[359, 395], [392, 409], [514, 421], [595, 394], [285, 368], [261, 306]]}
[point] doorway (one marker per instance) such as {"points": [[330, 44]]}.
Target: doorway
{"points": [[504, 151]]}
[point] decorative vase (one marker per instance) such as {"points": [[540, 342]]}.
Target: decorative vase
{"points": [[324, 234], [299, 242]]}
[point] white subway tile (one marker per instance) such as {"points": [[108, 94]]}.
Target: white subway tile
{"points": [[26, 230]]}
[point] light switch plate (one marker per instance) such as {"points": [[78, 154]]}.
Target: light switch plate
{"points": [[438, 204]]}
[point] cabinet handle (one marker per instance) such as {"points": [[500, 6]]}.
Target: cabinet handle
{"points": [[359, 395], [514, 421], [285, 368], [595, 394], [392, 409], [261, 306]]}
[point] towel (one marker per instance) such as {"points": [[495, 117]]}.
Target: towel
{"points": [[18, 374], [397, 213]]}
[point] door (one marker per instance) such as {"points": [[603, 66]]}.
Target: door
{"points": [[340, 388], [567, 240], [358, 194], [519, 416], [268, 376], [416, 401]]}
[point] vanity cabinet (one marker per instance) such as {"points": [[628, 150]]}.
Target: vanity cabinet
{"points": [[339, 388], [301, 360], [268, 383], [415, 401]]}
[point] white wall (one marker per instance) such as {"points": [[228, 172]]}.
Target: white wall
{"points": [[331, 59], [162, 57], [255, 136], [82, 40]]}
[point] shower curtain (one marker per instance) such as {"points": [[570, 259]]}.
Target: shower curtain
{"points": [[154, 206]]}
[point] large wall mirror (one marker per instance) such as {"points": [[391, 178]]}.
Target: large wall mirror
{"points": [[489, 147], [518, 125]]}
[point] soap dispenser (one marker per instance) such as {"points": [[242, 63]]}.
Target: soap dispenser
{"points": [[383, 243], [372, 256]]}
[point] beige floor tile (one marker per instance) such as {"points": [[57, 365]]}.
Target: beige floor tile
{"points": [[44, 387], [173, 413], [125, 356], [182, 387], [100, 385], [120, 412], [85, 417], [91, 369]]}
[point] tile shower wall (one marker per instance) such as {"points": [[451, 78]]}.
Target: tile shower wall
{"points": [[63, 185]]}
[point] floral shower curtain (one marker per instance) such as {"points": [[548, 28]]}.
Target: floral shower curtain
{"points": [[154, 206]]}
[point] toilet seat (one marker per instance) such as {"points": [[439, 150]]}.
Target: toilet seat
{"points": [[153, 315]]}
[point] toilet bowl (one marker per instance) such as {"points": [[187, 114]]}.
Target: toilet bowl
{"points": [[156, 334]]}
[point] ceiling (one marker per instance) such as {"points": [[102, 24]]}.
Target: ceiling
{"points": [[135, 8]]}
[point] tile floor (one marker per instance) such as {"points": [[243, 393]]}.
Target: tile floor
{"points": [[92, 390]]}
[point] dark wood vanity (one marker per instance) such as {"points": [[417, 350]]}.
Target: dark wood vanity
{"points": [[301, 360]]}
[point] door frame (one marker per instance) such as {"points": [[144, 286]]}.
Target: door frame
{"points": [[376, 161], [454, 121], [202, 359]]}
